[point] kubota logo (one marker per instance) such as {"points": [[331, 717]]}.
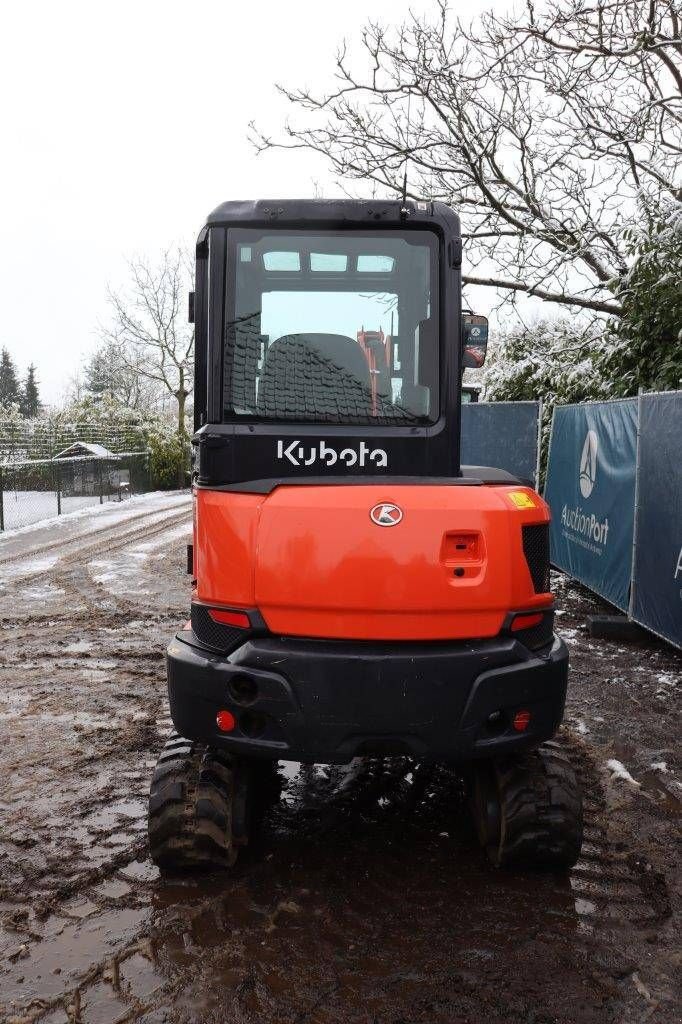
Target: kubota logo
{"points": [[301, 455], [588, 464], [386, 515]]}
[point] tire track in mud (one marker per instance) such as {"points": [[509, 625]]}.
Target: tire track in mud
{"points": [[77, 549], [154, 967], [82, 597], [120, 635], [69, 575]]}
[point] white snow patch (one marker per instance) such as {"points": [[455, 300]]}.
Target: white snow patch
{"points": [[660, 766], [109, 512], [28, 568], [619, 771], [78, 647], [120, 571], [162, 540], [71, 719], [42, 593]]}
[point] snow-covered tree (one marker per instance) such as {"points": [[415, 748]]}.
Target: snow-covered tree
{"points": [[9, 382], [644, 347], [117, 374], [556, 361], [543, 127], [29, 396]]}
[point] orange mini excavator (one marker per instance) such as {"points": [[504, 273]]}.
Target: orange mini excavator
{"points": [[356, 591]]}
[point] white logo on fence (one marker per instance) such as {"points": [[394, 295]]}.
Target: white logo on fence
{"points": [[588, 464]]}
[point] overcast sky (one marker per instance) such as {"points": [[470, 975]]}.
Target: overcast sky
{"points": [[123, 124]]}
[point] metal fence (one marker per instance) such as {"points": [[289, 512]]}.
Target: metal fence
{"points": [[21, 440], [32, 490], [503, 434], [614, 483]]}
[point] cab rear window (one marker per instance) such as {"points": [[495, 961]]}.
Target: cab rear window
{"points": [[332, 327]]}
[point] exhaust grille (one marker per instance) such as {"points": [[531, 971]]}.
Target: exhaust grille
{"points": [[536, 550], [215, 634]]}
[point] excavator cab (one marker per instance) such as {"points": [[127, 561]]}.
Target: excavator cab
{"points": [[356, 591]]}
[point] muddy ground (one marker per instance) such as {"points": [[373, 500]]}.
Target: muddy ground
{"points": [[365, 898]]}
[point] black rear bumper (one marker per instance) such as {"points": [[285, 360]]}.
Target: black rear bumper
{"points": [[330, 701]]}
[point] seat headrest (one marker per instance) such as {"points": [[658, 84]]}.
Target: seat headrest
{"points": [[315, 377]]}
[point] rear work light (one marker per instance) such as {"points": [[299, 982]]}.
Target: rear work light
{"points": [[230, 618]]}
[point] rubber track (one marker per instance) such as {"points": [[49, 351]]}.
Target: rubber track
{"points": [[190, 808], [541, 820]]}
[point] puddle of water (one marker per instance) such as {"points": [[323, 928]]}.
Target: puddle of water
{"points": [[55, 964], [114, 889], [585, 907], [101, 1005], [139, 978]]}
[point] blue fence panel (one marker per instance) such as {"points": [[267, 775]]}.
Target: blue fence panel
{"points": [[657, 570], [591, 491], [503, 435]]}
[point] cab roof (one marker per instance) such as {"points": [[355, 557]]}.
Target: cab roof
{"points": [[358, 213]]}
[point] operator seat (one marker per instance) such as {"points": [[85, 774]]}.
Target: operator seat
{"points": [[324, 377]]}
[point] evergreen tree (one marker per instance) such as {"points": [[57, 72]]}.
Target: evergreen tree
{"points": [[29, 400], [644, 347], [117, 375], [102, 372], [9, 385]]}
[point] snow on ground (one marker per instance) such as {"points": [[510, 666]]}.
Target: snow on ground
{"points": [[118, 572], [107, 513], [41, 564], [619, 771]]}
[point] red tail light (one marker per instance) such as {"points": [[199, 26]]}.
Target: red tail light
{"points": [[526, 621], [225, 721], [228, 618], [521, 721]]}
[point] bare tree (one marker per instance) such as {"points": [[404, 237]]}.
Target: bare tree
{"points": [[549, 131], [149, 328]]}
